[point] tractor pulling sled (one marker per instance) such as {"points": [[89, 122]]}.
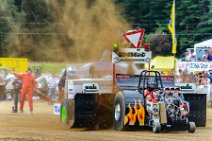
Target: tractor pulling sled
{"points": [[129, 100]]}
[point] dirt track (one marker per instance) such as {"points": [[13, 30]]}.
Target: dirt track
{"points": [[43, 125]]}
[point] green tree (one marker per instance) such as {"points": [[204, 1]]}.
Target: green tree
{"points": [[193, 20], [37, 25], [192, 23], [9, 17]]}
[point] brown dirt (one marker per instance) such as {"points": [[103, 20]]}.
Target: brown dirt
{"points": [[43, 125]]}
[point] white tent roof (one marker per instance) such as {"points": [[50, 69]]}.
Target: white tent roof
{"points": [[207, 43]]}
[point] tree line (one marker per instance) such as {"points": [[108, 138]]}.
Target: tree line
{"points": [[25, 24], [193, 22]]}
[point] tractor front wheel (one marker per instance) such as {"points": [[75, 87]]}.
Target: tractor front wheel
{"points": [[191, 127], [156, 127], [119, 112]]}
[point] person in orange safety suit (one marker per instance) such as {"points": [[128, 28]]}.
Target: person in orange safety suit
{"points": [[28, 84]]}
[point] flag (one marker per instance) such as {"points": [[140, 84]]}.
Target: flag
{"points": [[171, 27]]}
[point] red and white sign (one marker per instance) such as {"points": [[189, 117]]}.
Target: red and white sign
{"points": [[135, 37]]}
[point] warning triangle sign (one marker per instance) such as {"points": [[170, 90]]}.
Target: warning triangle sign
{"points": [[134, 37]]}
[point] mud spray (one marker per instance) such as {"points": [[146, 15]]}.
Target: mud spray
{"points": [[89, 26], [82, 30]]}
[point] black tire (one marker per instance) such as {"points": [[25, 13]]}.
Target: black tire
{"points": [[156, 127], [119, 120], [191, 127], [67, 105]]}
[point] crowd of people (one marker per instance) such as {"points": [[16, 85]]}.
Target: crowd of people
{"points": [[28, 84], [190, 56], [25, 85], [202, 78], [199, 77]]}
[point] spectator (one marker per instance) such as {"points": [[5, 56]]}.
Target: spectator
{"points": [[192, 56], [162, 73], [210, 77], [185, 77], [198, 79], [42, 85], [202, 79], [179, 76], [187, 57], [37, 72], [2, 88], [52, 86], [16, 87], [177, 79], [205, 81], [191, 78], [209, 56], [210, 81], [200, 59], [205, 57]]}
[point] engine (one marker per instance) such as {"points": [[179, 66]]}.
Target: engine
{"points": [[177, 108]]}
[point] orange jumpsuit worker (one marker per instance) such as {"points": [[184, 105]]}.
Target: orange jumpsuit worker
{"points": [[28, 83]]}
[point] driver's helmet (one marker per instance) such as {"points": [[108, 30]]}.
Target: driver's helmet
{"points": [[148, 85], [151, 85]]}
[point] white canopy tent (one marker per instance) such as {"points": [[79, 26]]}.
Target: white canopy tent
{"points": [[207, 43], [200, 48]]}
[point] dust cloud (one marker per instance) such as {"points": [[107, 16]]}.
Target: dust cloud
{"points": [[88, 27], [79, 30]]}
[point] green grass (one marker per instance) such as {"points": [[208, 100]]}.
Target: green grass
{"points": [[49, 67]]}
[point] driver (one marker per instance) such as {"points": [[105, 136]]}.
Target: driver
{"points": [[150, 95]]}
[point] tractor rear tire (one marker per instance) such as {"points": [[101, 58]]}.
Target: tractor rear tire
{"points": [[156, 127], [191, 127], [119, 112], [65, 111]]}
